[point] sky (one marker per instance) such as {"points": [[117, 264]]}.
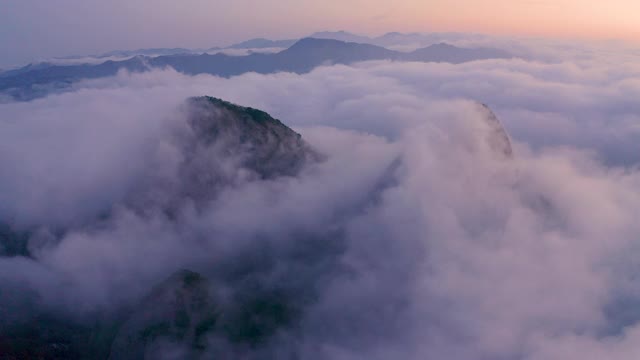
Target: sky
{"points": [[36, 29]]}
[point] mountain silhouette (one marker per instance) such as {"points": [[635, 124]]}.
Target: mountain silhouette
{"points": [[34, 81]]}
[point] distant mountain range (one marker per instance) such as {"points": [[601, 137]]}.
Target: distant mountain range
{"points": [[342, 36], [261, 43], [36, 80], [145, 52], [252, 44], [401, 40], [392, 39]]}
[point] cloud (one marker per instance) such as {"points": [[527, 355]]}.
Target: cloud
{"points": [[422, 241]]}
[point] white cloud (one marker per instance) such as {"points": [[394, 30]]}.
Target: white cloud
{"points": [[449, 251]]}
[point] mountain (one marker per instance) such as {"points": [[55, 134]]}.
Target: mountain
{"points": [[310, 53], [32, 82], [269, 148], [258, 43], [396, 38], [222, 132], [451, 54], [184, 311], [26, 69], [179, 310], [147, 52], [341, 36], [303, 56], [401, 40], [184, 315], [118, 55], [261, 43], [221, 144], [417, 40]]}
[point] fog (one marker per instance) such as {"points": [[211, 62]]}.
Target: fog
{"points": [[429, 243]]}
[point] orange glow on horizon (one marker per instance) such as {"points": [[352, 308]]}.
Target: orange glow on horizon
{"points": [[613, 19]]}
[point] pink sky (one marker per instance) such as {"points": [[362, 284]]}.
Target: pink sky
{"points": [[564, 18], [31, 29]]}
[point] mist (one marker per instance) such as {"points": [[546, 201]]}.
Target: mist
{"points": [[419, 239]]}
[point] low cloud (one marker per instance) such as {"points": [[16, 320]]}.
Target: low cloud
{"points": [[428, 244]]}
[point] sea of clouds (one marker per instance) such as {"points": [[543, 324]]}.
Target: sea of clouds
{"points": [[429, 245]]}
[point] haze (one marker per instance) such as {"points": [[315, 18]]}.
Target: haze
{"points": [[36, 29]]}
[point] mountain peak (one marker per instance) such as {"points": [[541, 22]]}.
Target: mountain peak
{"points": [[339, 50], [443, 45], [341, 35], [262, 143], [254, 114], [313, 41], [260, 43]]}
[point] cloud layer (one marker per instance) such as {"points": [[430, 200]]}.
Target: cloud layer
{"points": [[426, 244]]}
